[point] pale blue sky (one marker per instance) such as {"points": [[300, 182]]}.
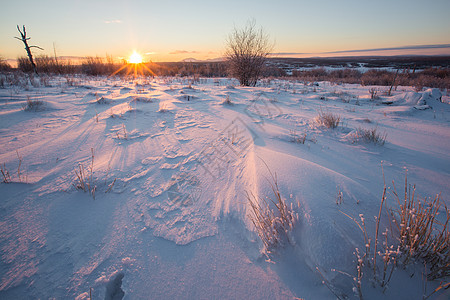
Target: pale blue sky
{"points": [[173, 30]]}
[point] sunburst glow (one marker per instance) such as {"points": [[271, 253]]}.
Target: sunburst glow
{"points": [[135, 58], [136, 66]]}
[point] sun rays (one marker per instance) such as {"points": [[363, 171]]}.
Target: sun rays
{"points": [[135, 65]]}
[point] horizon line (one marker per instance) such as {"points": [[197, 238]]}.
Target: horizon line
{"points": [[409, 47]]}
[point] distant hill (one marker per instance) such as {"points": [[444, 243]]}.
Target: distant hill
{"points": [[218, 59]]}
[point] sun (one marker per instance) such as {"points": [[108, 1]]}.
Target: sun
{"points": [[135, 65], [135, 58]]}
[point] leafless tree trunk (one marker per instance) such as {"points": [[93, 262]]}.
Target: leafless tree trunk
{"points": [[246, 52], [25, 39]]}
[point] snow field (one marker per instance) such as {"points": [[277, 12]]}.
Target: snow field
{"points": [[172, 163]]}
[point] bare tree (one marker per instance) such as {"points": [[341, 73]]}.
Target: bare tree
{"points": [[25, 39], [246, 52]]}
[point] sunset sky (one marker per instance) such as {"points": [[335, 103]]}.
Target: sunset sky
{"points": [[174, 30]]}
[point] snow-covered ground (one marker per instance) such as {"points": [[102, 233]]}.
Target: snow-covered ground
{"points": [[172, 165]]}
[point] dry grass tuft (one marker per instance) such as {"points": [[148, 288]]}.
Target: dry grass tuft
{"points": [[421, 234], [272, 225], [33, 105], [227, 101], [163, 108], [84, 177], [370, 136], [294, 137], [327, 119], [5, 174], [373, 93]]}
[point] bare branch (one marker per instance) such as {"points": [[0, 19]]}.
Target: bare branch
{"points": [[36, 47], [24, 39]]}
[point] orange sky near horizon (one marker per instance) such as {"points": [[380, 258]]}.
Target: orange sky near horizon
{"points": [[176, 30]]}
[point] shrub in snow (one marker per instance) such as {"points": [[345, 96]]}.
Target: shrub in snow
{"points": [[33, 105], [369, 136], [327, 119]]}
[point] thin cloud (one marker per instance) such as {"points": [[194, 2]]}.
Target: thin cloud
{"points": [[414, 47], [112, 21], [183, 52]]}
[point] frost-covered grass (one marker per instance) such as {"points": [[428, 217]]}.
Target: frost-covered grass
{"points": [[372, 135], [273, 225], [18, 175], [84, 177], [328, 119], [418, 233], [422, 226]]}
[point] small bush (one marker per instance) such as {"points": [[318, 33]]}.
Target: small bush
{"points": [[327, 119], [370, 136], [33, 105], [247, 50]]}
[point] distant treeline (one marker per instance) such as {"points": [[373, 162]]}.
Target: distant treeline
{"points": [[108, 66], [431, 77], [403, 71]]}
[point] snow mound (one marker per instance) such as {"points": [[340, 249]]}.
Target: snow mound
{"points": [[420, 101]]}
